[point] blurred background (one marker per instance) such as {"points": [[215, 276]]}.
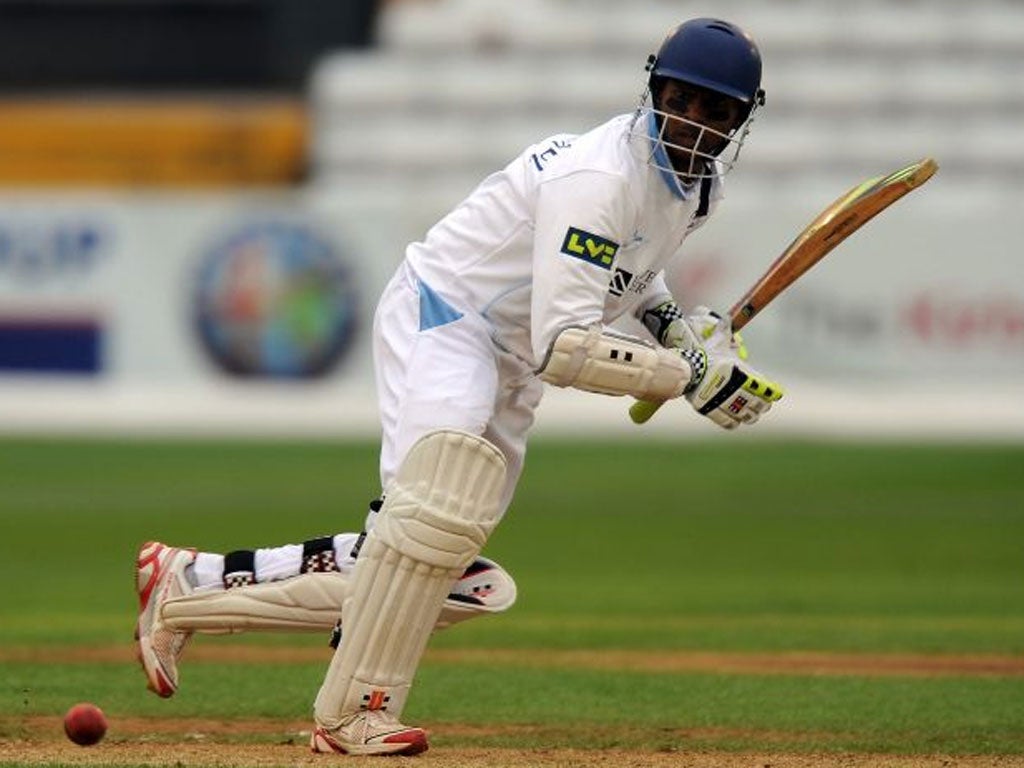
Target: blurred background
{"points": [[200, 201]]}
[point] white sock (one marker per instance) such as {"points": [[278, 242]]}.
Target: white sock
{"points": [[271, 563], [208, 570]]}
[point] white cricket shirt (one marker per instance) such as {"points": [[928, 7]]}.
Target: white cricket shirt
{"points": [[575, 231]]}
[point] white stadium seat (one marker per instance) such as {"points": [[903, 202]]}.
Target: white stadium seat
{"points": [[457, 87]]}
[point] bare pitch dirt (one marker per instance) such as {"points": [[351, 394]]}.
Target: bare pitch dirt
{"points": [[193, 752]]}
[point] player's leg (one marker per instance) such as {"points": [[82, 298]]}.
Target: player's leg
{"points": [[437, 380], [312, 603], [518, 396], [438, 512], [434, 365], [182, 592], [167, 574]]}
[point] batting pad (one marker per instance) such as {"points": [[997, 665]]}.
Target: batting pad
{"points": [[312, 602], [437, 514]]}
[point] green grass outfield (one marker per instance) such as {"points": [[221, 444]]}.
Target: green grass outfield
{"points": [[730, 547]]}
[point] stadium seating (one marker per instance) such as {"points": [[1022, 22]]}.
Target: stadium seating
{"points": [[456, 87]]}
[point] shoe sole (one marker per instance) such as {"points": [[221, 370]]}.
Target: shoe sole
{"points": [[156, 680], [321, 743]]}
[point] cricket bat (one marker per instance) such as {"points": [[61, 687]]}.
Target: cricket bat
{"points": [[833, 225]]}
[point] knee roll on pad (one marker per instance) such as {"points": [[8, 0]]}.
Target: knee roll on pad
{"points": [[437, 514]]}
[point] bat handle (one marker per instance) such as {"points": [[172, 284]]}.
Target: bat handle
{"points": [[642, 410]]}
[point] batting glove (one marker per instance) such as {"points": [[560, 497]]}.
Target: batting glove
{"points": [[676, 330], [730, 392]]}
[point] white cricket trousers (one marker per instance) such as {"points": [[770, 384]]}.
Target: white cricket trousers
{"points": [[437, 367]]}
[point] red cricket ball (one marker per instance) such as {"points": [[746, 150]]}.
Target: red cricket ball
{"points": [[85, 724]]}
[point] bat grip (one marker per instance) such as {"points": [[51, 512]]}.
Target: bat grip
{"points": [[642, 410]]}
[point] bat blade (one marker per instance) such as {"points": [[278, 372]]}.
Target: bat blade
{"points": [[832, 226]]}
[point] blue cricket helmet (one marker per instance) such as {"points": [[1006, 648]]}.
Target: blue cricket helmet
{"points": [[714, 54]]}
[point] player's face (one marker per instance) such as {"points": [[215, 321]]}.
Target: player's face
{"points": [[690, 110]]}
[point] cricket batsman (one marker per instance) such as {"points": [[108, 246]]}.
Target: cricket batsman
{"points": [[513, 289]]}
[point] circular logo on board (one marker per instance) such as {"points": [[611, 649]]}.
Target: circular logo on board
{"points": [[275, 300]]}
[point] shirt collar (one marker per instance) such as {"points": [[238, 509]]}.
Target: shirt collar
{"points": [[663, 164]]}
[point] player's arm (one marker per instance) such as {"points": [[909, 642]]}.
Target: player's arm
{"points": [[595, 359], [579, 223]]}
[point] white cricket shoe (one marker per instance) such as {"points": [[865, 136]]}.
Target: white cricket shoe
{"points": [[370, 732], [159, 576]]}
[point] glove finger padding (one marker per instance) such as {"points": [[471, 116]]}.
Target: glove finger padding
{"points": [[669, 326], [703, 322], [715, 332], [678, 334], [732, 393]]}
